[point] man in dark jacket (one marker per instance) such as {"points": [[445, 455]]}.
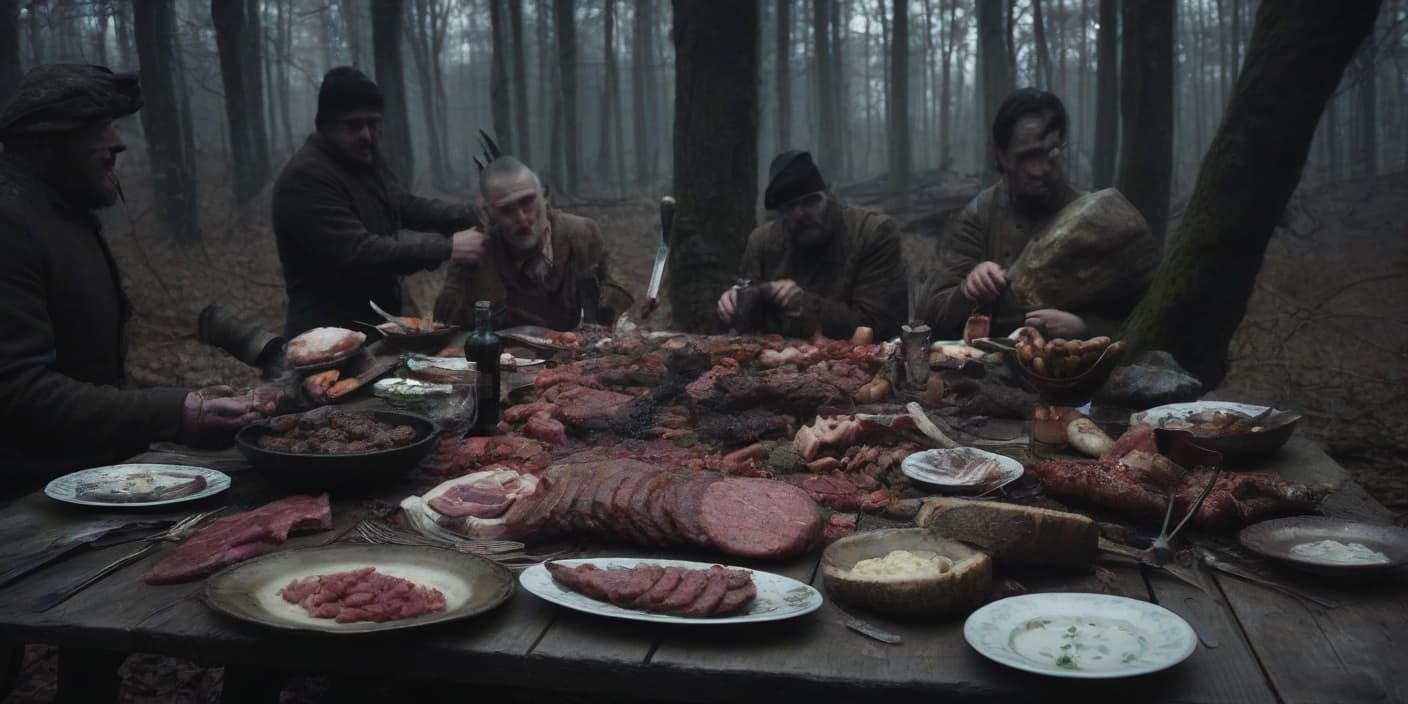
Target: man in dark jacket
{"points": [[339, 214], [541, 266], [64, 404], [820, 265]]}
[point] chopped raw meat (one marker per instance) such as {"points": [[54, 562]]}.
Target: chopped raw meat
{"points": [[362, 594], [239, 537]]}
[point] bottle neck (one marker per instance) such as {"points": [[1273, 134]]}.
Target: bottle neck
{"points": [[483, 320]]}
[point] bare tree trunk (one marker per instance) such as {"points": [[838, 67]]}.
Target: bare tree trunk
{"points": [[898, 103], [614, 160], [102, 10], [824, 86], [1106, 96], [547, 77], [1043, 52], [1296, 57], [997, 71], [523, 130], [285, 39], [642, 56], [557, 166], [1146, 102], [1236, 36], [838, 91], [250, 157], [387, 19], [716, 102], [1087, 128], [783, 66], [424, 32], [174, 183], [10, 68], [945, 101], [252, 69], [1058, 37], [1368, 112], [565, 27], [499, 99], [352, 21], [1224, 64]]}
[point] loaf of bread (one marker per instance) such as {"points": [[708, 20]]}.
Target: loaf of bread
{"points": [[1012, 533]]}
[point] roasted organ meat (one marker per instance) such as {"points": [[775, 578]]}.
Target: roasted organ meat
{"points": [[321, 345], [328, 432]]}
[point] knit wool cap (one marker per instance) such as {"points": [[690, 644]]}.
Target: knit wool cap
{"points": [[791, 176], [344, 90]]}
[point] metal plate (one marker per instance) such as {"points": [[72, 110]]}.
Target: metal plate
{"points": [[65, 488], [250, 590], [1278, 540], [1279, 429]]}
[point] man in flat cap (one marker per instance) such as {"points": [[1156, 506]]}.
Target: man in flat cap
{"points": [[542, 266], [820, 265], [64, 404], [339, 215]]}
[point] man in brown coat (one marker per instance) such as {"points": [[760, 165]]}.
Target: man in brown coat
{"points": [[339, 214], [540, 266], [820, 266], [64, 400], [1029, 136]]}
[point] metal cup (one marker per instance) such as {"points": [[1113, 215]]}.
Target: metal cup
{"points": [[914, 339]]}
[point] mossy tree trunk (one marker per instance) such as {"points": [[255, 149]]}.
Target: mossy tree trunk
{"points": [[1294, 61]]}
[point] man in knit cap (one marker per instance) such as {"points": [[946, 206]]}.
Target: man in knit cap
{"points": [[820, 265], [339, 215]]}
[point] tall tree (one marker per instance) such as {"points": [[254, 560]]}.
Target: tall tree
{"points": [[520, 82], [642, 56], [898, 103], [171, 178], [841, 158], [783, 65], [249, 154], [1368, 112], [1146, 106], [565, 27], [716, 152], [824, 87], [1296, 57], [1043, 51], [429, 21], [253, 56], [352, 22], [499, 100], [945, 105], [1106, 96], [997, 71], [387, 21], [10, 67], [611, 161]]}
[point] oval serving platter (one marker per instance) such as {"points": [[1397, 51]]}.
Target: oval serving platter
{"points": [[71, 488]]}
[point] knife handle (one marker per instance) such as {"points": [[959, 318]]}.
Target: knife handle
{"points": [[667, 217]]}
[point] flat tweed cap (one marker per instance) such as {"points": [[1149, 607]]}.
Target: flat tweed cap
{"points": [[63, 97]]}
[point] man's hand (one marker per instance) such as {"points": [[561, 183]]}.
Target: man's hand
{"points": [[1057, 323], [785, 294], [728, 304], [468, 246], [984, 283], [212, 415]]}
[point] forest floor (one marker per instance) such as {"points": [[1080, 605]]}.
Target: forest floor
{"points": [[1325, 334]]}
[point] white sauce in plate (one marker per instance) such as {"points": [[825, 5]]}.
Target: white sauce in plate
{"points": [[1089, 643], [1345, 553]]}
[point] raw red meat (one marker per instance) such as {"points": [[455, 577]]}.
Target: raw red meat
{"points": [[239, 537], [695, 593], [362, 594], [759, 518]]}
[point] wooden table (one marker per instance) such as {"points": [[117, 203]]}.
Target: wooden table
{"points": [[1272, 647]]}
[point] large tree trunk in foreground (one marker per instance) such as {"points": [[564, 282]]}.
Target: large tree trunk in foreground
{"points": [[1297, 54], [10, 69], [1106, 96], [498, 78], [716, 152], [387, 18], [250, 155], [172, 181], [996, 80], [1146, 102]]}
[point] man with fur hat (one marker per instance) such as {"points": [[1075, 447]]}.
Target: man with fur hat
{"points": [[820, 265], [64, 401], [339, 215], [541, 266]]}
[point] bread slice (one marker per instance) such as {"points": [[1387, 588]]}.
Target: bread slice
{"points": [[1019, 534]]}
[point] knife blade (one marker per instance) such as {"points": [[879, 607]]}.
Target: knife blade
{"points": [[662, 251]]}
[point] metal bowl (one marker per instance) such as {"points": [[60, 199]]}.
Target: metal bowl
{"points": [[1278, 539], [1073, 392], [1280, 425], [345, 472]]}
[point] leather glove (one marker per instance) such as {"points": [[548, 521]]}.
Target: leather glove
{"points": [[212, 415]]}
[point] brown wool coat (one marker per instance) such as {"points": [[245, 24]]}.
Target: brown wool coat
{"points": [[857, 279], [63, 401], [580, 280], [339, 226], [989, 229]]}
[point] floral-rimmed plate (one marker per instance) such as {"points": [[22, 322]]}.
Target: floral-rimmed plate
{"points": [[778, 597], [961, 469], [121, 485], [1083, 636]]}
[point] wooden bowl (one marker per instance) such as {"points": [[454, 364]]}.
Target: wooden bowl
{"points": [[957, 591]]}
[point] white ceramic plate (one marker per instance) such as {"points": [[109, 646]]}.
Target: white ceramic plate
{"points": [[66, 488], [250, 591], [953, 469], [778, 597], [1083, 636]]}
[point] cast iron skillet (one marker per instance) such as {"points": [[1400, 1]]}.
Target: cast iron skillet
{"points": [[347, 472]]}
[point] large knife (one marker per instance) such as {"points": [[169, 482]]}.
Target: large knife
{"points": [[662, 253]]}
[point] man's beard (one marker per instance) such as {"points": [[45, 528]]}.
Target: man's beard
{"points": [[525, 241]]}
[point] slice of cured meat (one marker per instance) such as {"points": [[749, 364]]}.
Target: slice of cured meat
{"points": [[759, 518], [691, 592]]}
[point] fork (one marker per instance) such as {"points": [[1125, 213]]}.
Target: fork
{"points": [[176, 533], [508, 553]]}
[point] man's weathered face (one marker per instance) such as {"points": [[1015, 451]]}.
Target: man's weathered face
{"points": [[1033, 159], [84, 163], [804, 218], [517, 211], [356, 134]]}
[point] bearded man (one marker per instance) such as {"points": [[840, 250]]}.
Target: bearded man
{"points": [[339, 214], [1028, 141], [539, 265], [820, 266], [64, 400]]}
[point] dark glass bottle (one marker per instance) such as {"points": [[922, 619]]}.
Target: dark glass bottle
{"points": [[483, 348]]}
